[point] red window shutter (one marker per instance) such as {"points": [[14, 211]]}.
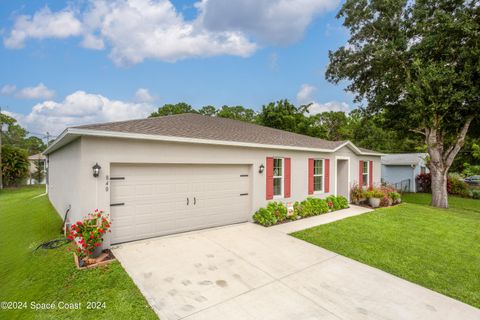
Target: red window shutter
{"points": [[370, 174], [360, 174], [310, 176], [326, 163], [269, 175], [286, 179]]}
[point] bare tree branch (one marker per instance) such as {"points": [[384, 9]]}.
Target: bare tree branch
{"points": [[418, 131]]}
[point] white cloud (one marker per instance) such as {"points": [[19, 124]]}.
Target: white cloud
{"points": [[91, 41], [38, 92], [143, 95], [80, 108], [8, 89], [43, 24], [136, 30], [141, 29], [305, 94], [329, 106], [270, 21]]}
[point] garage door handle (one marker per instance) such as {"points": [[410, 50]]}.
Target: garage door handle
{"points": [[188, 201], [117, 204], [194, 201]]}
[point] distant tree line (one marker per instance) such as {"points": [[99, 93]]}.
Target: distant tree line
{"points": [[17, 146], [371, 131]]}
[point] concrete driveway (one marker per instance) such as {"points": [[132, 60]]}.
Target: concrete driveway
{"points": [[246, 271]]}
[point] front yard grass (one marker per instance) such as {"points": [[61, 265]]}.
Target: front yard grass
{"points": [[49, 276], [436, 248]]}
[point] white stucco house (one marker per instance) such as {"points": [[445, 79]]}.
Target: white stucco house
{"points": [[184, 172], [401, 169]]}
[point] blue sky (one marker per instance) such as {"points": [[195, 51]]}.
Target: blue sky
{"points": [[78, 62]]}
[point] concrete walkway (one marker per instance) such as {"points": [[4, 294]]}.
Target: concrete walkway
{"points": [[246, 271], [310, 222]]}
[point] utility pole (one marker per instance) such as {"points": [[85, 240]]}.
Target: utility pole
{"points": [[48, 139]]}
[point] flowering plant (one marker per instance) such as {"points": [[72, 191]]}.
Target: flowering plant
{"points": [[330, 204], [88, 234]]}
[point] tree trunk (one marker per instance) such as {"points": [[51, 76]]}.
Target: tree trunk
{"points": [[439, 188], [441, 160]]}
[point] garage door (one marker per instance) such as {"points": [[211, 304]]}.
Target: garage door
{"points": [[154, 200]]}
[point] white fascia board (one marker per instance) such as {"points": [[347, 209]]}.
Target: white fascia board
{"points": [[56, 142]]}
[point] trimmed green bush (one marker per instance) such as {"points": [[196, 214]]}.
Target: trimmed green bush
{"points": [[264, 217], [276, 212], [279, 210], [332, 203], [458, 186], [342, 202], [312, 207], [475, 194]]}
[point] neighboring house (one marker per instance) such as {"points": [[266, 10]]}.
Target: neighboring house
{"points": [[400, 170], [184, 172], [33, 160]]}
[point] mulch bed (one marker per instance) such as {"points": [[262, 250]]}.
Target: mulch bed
{"points": [[104, 258]]}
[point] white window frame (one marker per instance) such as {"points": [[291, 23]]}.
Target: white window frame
{"points": [[282, 178], [365, 182], [318, 175]]}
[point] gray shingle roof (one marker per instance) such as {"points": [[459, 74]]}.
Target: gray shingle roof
{"points": [[403, 158], [197, 126]]}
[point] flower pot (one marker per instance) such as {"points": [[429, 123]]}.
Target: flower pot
{"points": [[97, 252], [374, 202]]}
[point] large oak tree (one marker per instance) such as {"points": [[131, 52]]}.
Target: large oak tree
{"points": [[418, 64]]}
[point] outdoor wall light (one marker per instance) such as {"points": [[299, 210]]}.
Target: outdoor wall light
{"points": [[261, 168], [96, 170]]}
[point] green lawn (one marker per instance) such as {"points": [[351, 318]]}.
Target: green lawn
{"points": [[48, 276], [436, 248]]}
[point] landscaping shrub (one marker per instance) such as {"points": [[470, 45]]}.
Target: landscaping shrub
{"points": [[333, 202], [88, 234], [458, 186], [425, 183], [312, 207], [276, 212], [14, 166], [278, 209], [264, 217], [385, 201], [375, 193], [357, 193], [342, 202], [475, 194], [395, 196]]}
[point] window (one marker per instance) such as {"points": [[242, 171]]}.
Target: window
{"points": [[278, 177], [318, 175], [423, 170], [365, 173]]}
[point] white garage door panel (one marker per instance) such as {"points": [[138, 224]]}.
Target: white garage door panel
{"points": [[155, 198]]}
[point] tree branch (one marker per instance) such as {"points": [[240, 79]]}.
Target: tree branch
{"points": [[452, 151], [418, 131]]}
